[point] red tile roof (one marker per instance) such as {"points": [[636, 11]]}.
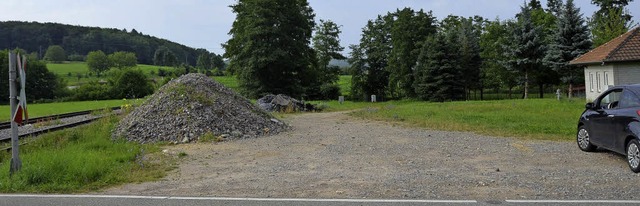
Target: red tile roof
{"points": [[624, 48]]}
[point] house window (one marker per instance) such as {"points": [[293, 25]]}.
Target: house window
{"points": [[598, 82], [591, 81], [606, 79]]}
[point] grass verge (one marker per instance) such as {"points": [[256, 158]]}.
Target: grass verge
{"points": [[82, 159], [540, 119]]}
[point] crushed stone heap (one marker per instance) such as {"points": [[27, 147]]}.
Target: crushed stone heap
{"points": [[191, 106], [283, 103]]}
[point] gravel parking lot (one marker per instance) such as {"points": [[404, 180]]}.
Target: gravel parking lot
{"points": [[333, 155]]}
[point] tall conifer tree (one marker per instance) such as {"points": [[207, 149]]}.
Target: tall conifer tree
{"points": [[571, 39], [527, 49]]}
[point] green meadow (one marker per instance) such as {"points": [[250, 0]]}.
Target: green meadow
{"points": [[75, 73], [539, 119]]}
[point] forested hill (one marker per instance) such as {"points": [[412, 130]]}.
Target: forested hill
{"points": [[80, 40]]}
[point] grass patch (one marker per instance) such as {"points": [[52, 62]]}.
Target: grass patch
{"points": [[45, 109], [542, 119], [228, 81], [76, 73], [345, 85], [335, 106], [82, 159]]}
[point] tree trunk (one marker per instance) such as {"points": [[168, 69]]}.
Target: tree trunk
{"points": [[481, 94], [570, 90], [541, 87], [526, 85]]}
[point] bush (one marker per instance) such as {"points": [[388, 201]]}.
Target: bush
{"points": [[76, 58], [329, 91], [92, 91], [130, 84], [162, 72], [55, 53]]}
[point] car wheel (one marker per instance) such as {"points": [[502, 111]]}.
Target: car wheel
{"points": [[633, 155], [584, 142]]}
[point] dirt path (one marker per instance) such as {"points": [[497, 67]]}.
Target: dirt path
{"points": [[332, 155]]}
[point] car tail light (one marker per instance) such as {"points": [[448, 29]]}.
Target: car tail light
{"points": [[638, 112]]}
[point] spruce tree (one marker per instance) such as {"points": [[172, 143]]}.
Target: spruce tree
{"points": [[469, 47], [438, 73], [526, 49], [408, 29], [269, 46], [571, 39], [554, 7]]}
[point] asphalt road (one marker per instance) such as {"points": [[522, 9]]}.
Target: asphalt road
{"points": [[110, 200]]}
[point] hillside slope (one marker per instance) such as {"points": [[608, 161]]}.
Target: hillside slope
{"points": [[37, 37]]}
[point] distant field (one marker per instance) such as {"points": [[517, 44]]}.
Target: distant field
{"points": [[78, 73], [228, 81], [345, 85]]}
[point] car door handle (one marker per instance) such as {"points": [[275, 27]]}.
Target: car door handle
{"points": [[610, 116]]}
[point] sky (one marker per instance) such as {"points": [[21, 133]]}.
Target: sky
{"points": [[206, 23]]}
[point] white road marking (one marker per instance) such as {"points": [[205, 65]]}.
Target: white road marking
{"points": [[240, 199], [576, 201]]}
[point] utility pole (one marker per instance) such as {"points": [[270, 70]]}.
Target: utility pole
{"points": [[16, 163]]}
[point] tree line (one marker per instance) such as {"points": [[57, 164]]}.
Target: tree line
{"points": [[411, 54], [78, 41]]}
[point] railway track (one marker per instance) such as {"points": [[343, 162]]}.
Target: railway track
{"points": [[7, 125]]}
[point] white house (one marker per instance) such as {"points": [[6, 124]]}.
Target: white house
{"points": [[615, 63]]}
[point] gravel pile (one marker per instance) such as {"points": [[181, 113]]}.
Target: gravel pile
{"points": [[191, 106], [283, 103]]}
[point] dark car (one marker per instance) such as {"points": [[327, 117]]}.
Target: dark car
{"points": [[612, 122]]}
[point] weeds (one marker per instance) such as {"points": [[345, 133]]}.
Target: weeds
{"points": [[81, 159], [210, 137]]}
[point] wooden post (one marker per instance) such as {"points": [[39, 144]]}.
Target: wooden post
{"points": [[16, 163]]}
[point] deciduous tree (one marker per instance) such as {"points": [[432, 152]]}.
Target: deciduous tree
{"points": [[123, 60], [326, 43], [98, 62], [55, 53], [607, 24], [269, 46], [494, 71], [369, 59], [164, 57]]}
